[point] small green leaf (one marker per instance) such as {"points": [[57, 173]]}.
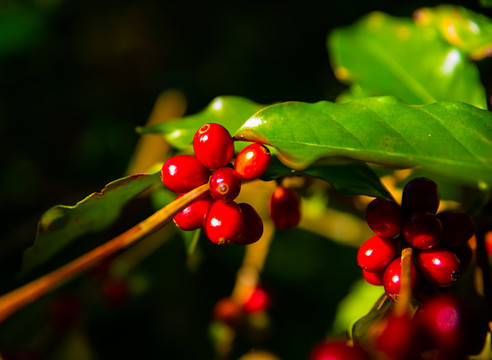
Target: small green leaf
{"points": [[384, 55], [61, 225], [464, 29], [451, 140], [361, 330], [229, 111]]}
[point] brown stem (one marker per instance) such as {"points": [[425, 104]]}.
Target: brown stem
{"points": [[405, 297], [26, 294]]}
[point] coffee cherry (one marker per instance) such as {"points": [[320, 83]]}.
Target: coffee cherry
{"points": [[422, 230], [376, 253], [191, 217], [225, 184], [284, 208], [420, 195], [373, 278], [228, 311], [252, 161], [258, 300], [391, 279], [223, 222], [457, 226], [338, 350], [252, 226], [452, 324], [397, 339], [183, 173], [439, 266], [384, 217], [213, 146]]}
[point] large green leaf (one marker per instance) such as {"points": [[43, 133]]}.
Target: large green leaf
{"points": [[467, 30], [229, 111], [451, 139], [61, 225], [384, 55]]}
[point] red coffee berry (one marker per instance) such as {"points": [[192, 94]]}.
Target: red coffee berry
{"points": [[252, 161], [191, 217], [284, 208], [392, 279], [213, 146], [457, 227], [223, 223], [258, 300], [252, 226], [439, 266], [420, 195], [373, 278], [227, 310], [183, 173], [376, 253], [452, 324], [422, 230], [397, 339], [225, 184], [338, 350], [384, 217]]}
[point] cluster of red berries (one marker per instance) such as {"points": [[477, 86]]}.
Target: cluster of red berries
{"points": [[440, 241]]}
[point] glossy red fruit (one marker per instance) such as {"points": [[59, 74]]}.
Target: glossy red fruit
{"points": [[397, 339], [183, 173], [420, 195], [422, 230], [458, 227], [228, 311], [452, 324], [225, 184], [439, 266], [252, 161], [213, 146], [252, 226], [373, 278], [338, 350], [392, 279], [191, 217], [285, 208], [376, 253], [383, 216], [223, 223], [258, 300]]}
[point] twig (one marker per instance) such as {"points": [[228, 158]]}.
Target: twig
{"points": [[26, 294], [405, 297]]}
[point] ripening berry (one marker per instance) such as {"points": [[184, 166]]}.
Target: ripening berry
{"points": [[192, 216], [392, 279], [457, 227], [384, 217], [397, 339], [258, 300], [225, 184], [228, 311], [285, 208], [183, 173], [213, 146], [420, 195], [376, 253], [252, 161], [373, 278], [252, 226], [422, 230], [223, 223], [439, 266], [338, 350]]}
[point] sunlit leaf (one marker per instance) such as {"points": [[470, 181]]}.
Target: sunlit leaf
{"points": [[467, 30], [451, 140], [61, 225], [229, 111], [384, 55]]}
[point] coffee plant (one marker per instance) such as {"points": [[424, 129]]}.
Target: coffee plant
{"points": [[358, 228]]}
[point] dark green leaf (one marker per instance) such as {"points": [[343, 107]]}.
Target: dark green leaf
{"points": [[61, 224], [361, 330], [464, 29], [229, 111], [486, 3], [450, 139], [384, 55]]}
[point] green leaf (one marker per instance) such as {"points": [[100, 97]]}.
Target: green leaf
{"points": [[384, 55], [464, 29], [361, 330], [451, 140], [349, 177], [486, 3], [229, 111], [61, 225]]}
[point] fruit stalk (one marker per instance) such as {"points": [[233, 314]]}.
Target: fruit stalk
{"points": [[26, 294], [405, 297]]}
